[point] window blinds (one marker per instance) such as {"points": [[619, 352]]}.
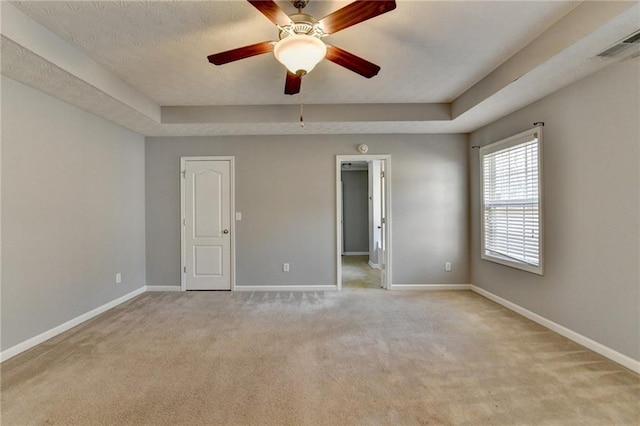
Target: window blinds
{"points": [[511, 202]]}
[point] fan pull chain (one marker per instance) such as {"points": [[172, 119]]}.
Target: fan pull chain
{"points": [[301, 107]]}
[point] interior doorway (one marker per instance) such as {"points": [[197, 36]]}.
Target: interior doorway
{"points": [[363, 221]]}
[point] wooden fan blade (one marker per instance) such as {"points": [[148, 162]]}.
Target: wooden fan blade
{"points": [[354, 13], [351, 62], [241, 53], [292, 84], [272, 11]]}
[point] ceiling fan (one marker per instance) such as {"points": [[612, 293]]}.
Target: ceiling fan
{"points": [[300, 47]]}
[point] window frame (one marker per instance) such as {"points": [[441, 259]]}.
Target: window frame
{"points": [[500, 145]]}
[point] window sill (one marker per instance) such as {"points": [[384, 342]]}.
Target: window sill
{"points": [[514, 264]]}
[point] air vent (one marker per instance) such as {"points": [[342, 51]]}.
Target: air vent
{"points": [[617, 49], [635, 38]]}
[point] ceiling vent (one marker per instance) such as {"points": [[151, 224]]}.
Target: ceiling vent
{"points": [[628, 46]]}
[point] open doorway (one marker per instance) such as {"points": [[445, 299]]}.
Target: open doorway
{"points": [[363, 221]]}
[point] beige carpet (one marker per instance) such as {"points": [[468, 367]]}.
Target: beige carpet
{"points": [[356, 273], [313, 358]]}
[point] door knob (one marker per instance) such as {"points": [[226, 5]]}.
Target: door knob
{"points": [[226, 231]]}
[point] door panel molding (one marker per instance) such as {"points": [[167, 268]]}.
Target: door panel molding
{"points": [[183, 218]]}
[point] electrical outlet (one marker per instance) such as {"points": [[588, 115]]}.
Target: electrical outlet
{"points": [[447, 266], [118, 278], [285, 267]]}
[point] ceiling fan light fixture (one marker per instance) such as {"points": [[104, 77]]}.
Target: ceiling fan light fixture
{"points": [[300, 53]]}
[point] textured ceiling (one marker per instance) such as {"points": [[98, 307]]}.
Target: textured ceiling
{"points": [[430, 52], [447, 66]]}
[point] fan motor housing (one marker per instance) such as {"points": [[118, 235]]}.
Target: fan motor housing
{"points": [[302, 24]]}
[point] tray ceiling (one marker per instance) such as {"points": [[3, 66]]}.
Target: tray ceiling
{"points": [[429, 51], [447, 66]]}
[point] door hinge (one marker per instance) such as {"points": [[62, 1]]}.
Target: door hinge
{"points": [[184, 174], [381, 174], [184, 269], [184, 222]]}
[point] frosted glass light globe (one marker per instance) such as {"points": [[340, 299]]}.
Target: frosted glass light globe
{"points": [[300, 53]]}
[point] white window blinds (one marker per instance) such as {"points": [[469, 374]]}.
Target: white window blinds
{"points": [[511, 212]]}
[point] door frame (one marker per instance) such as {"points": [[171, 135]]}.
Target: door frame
{"points": [[232, 222], [386, 158]]}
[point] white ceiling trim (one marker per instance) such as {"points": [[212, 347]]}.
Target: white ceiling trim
{"points": [[338, 113]]}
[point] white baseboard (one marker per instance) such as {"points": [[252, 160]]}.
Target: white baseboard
{"points": [[28, 344], [156, 288], [613, 355], [355, 253], [374, 265], [163, 288], [286, 288], [430, 286]]}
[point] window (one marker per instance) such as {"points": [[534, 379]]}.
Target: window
{"points": [[511, 194]]}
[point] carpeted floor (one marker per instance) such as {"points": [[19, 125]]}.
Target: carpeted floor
{"points": [[314, 358], [356, 273]]}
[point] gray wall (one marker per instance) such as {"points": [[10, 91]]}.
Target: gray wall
{"points": [[591, 161], [355, 211], [285, 189], [72, 212]]}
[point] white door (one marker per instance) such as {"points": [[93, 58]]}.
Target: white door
{"points": [[382, 256], [375, 168], [207, 238]]}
